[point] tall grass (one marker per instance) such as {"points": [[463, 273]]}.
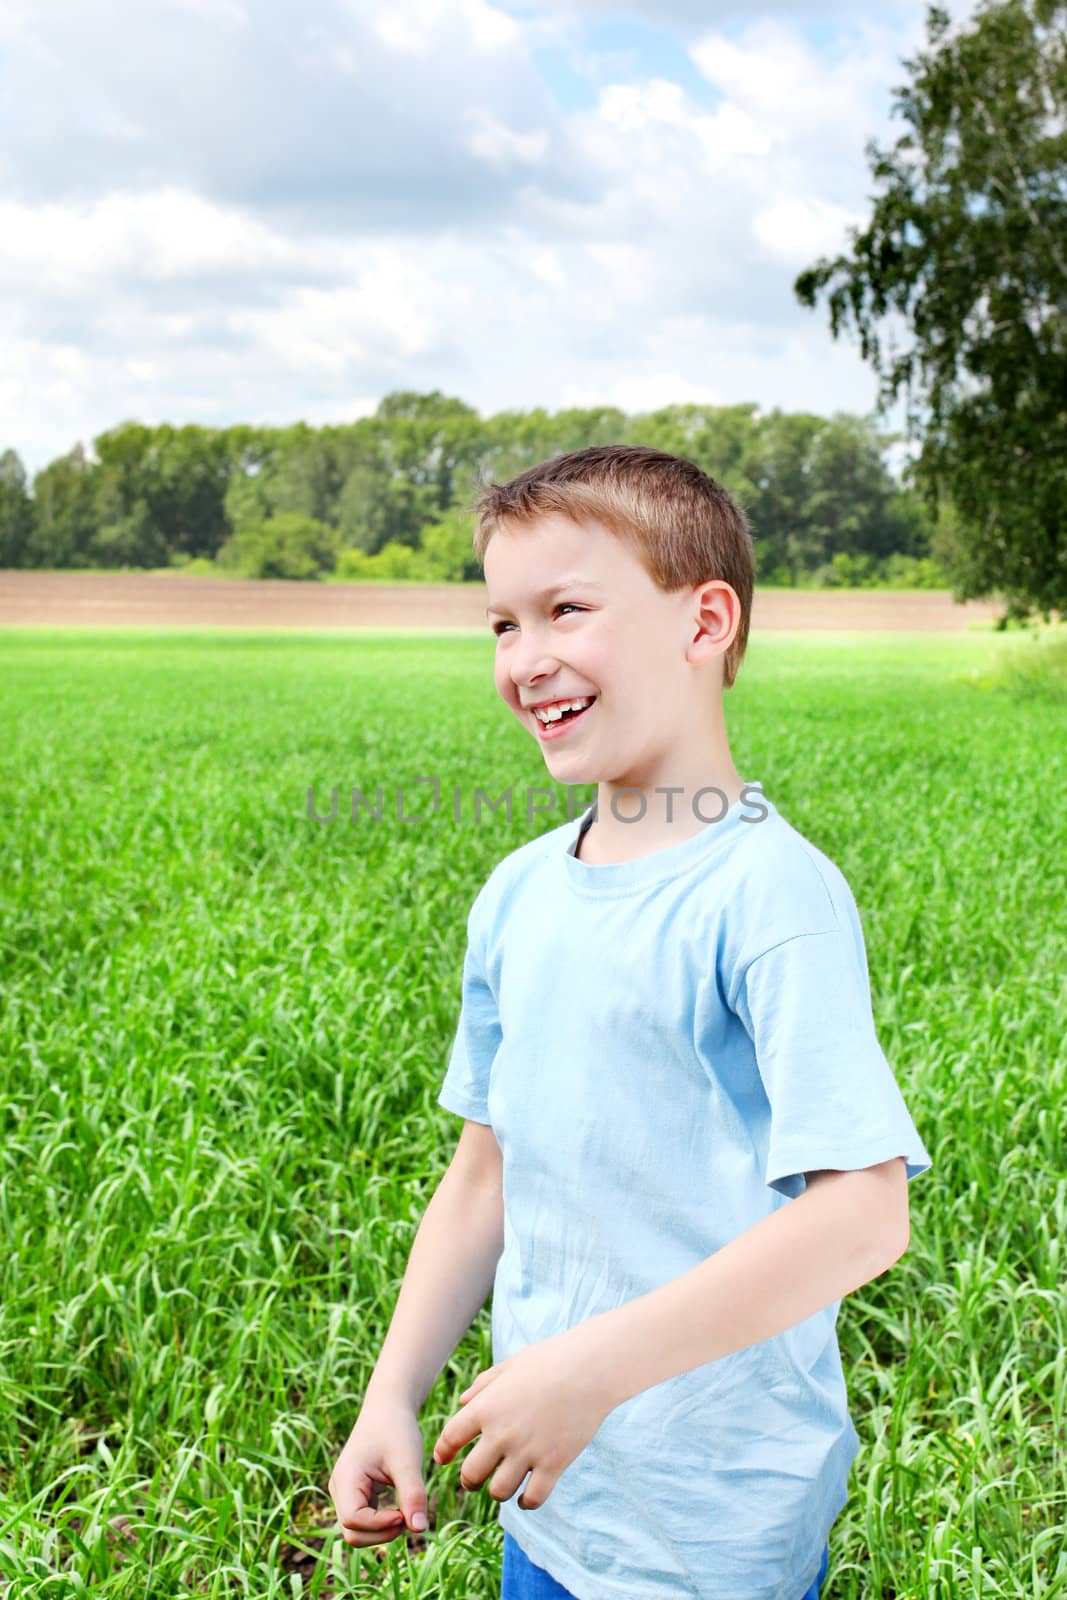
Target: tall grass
{"points": [[223, 1030]]}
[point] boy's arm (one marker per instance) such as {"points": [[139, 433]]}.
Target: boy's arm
{"points": [[449, 1274], [845, 1229]]}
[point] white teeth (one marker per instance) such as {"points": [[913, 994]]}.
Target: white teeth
{"points": [[553, 713]]}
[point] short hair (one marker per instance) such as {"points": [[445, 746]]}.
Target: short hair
{"points": [[681, 524]]}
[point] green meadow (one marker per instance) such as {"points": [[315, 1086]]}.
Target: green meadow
{"points": [[224, 1026]]}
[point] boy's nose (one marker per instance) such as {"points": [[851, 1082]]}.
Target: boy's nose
{"points": [[531, 670]]}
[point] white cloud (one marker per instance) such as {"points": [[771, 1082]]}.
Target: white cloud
{"points": [[395, 309], [690, 15], [641, 392], [47, 383], [798, 230], [795, 92], [631, 107], [161, 235], [501, 147], [255, 214], [307, 113], [416, 26], [719, 135], [546, 266], [225, 12]]}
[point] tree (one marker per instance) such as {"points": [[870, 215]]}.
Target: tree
{"points": [[446, 549], [367, 507], [193, 470], [967, 242], [286, 546], [304, 480], [129, 539], [433, 439], [16, 510], [64, 498], [159, 493]]}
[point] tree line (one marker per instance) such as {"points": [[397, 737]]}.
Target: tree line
{"points": [[388, 496]]}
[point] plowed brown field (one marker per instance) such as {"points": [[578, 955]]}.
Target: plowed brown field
{"points": [[72, 599]]}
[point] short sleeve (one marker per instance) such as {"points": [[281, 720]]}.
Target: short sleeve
{"points": [[465, 1089], [834, 1101]]}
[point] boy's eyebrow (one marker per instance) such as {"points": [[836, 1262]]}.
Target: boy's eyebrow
{"points": [[557, 588]]}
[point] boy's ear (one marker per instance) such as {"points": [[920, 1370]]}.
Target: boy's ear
{"points": [[717, 616]]}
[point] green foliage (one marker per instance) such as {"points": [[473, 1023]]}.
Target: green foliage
{"points": [[908, 572], [285, 546], [896, 571], [16, 511], [1030, 667], [395, 561], [367, 508], [247, 501], [812, 486], [128, 539], [780, 577], [967, 245], [162, 489], [847, 571], [444, 555], [404, 480], [65, 514], [355, 566], [445, 550], [194, 566]]}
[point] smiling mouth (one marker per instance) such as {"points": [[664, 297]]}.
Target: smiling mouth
{"points": [[552, 730]]}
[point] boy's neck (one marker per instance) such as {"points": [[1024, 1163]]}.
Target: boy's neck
{"points": [[624, 834]]}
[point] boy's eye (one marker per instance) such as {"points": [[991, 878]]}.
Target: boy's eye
{"points": [[564, 605]]}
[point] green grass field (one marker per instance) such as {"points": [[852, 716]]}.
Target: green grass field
{"points": [[223, 1030]]}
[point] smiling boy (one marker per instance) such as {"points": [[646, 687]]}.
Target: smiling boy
{"points": [[683, 1144]]}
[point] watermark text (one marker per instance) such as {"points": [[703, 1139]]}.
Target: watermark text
{"points": [[708, 804]]}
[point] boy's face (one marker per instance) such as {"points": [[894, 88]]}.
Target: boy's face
{"points": [[611, 633]]}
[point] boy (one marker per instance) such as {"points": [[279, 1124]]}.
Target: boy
{"points": [[682, 1141]]}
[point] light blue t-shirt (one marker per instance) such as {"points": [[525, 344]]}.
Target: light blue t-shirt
{"points": [[663, 1047]]}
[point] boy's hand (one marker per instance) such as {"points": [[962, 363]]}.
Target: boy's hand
{"points": [[535, 1412], [383, 1449]]}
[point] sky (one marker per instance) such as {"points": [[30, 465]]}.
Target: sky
{"points": [[221, 211]]}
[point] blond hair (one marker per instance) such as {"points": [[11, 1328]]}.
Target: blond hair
{"points": [[681, 524]]}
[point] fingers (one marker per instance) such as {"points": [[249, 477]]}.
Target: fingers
{"points": [[362, 1521], [411, 1496], [457, 1431], [367, 1527], [536, 1491], [505, 1480], [481, 1462]]}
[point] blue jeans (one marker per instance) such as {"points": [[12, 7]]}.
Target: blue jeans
{"points": [[522, 1580]]}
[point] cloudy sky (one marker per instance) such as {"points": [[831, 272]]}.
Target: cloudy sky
{"points": [[250, 210]]}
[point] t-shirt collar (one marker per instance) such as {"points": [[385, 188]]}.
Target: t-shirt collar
{"points": [[623, 877]]}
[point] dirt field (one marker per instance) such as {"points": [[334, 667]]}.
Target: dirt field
{"points": [[101, 600]]}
